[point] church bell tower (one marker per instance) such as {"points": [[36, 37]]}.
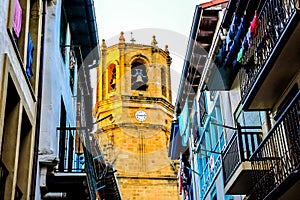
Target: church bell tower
{"points": [[134, 110]]}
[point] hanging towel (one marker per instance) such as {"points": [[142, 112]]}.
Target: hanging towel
{"points": [[219, 59], [234, 26], [241, 32], [254, 25], [245, 44], [249, 39], [242, 50], [17, 23], [30, 49], [232, 32], [179, 175], [228, 42], [230, 55], [240, 55]]}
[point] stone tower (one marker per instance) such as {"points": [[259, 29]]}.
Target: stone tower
{"points": [[134, 110]]}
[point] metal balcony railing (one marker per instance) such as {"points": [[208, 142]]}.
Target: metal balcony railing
{"points": [[238, 150], [3, 176], [90, 166], [75, 155], [100, 177], [278, 156], [71, 158], [107, 185], [275, 17]]}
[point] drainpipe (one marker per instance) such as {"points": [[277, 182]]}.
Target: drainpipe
{"points": [[39, 105], [55, 195]]}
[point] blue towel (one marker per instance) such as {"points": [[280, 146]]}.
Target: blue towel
{"points": [[30, 49]]}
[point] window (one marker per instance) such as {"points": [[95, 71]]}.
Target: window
{"points": [[33, 38], [17, 135], [112, 78], [139, 78], [63, 32], [19, 18], [216, 130], [18, 25]]}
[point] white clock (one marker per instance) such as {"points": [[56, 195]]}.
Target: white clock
{"points": [[140, 115]]}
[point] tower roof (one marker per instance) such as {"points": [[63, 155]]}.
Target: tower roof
{"points": [[134, 45]]}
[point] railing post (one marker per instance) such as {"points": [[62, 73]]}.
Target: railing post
{"points": [[70, 151], [240, 143], [62, 136]]}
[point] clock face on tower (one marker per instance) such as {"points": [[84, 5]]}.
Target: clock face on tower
{"points": [[141, 115]]}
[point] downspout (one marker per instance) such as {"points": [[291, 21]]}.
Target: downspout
{"points": [[39, 105]]}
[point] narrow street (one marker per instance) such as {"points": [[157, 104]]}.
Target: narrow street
{"points": [[143, 100]]}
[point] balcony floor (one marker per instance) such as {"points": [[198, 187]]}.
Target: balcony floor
{"points": [[67, 182], [289, 189], [241, 181], [293, 192]]}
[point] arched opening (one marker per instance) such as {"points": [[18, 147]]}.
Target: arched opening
{"points": [[112, 78], [139, 77]]}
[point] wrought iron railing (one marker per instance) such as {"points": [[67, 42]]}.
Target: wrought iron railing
{"points": [[89, 166], [275, 17], [71, 158], [97, 170], [107, 184], [75, 155], [278, 156], [238, 150], [3, 176]]}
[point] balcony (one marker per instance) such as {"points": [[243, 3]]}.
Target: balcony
{"points": [[74, 175], [236, 166], [276, 162], [273, 60], [220, 72], [107, 183], [3, 176]]}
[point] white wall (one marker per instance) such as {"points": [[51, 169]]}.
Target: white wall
{"points": [[55, 85]]}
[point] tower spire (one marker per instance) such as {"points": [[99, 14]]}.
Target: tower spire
{"points": [[122, 38], [103, 44], [167, 49], [153, 42]]}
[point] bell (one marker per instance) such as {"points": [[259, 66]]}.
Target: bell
{"points": [[139, 79], [113, 81]]}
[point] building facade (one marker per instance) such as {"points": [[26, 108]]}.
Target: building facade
{"points": [[134, 100], [68, 166], [243, 117], [47, 151], [19, 78]]}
